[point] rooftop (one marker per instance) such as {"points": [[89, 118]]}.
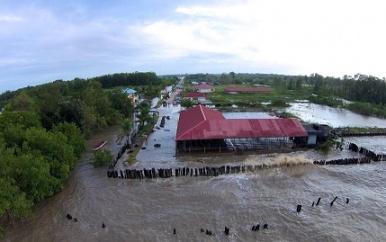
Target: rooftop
{"points": [[200, 123]]}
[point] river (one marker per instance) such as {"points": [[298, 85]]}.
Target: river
{"points": [[150, 210]]}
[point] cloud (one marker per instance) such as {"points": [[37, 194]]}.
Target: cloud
{"points": [[10, 18], [331, 37]]}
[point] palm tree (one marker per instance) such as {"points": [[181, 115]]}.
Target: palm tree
{"points": [[125, 129], [144, 115]]}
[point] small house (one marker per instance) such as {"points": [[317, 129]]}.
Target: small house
{"points": [[204, 88], [132, 94], [196, 96]]}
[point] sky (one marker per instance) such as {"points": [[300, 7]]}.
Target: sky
{"points": [[44, 40]]}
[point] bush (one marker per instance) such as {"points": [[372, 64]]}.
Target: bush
{"points": [[361, 108], [326, 146], [278, 103], [102, 157]]}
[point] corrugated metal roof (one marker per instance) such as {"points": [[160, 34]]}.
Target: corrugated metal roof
{"points": [[203, 86], [129, 91], [195, 94], [193, 117], [200, 123]]}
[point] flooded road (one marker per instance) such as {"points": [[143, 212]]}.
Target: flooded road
{"points": [[149, 210]]}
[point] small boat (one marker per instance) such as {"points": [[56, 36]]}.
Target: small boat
{"points": [[100, 145]]}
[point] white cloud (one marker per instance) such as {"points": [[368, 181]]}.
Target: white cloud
{"points": [[10, 18], [331, 37]]}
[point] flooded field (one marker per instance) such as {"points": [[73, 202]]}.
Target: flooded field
{"points": [[334, 117]]}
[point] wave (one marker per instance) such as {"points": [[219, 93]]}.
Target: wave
{"points": [[279, 160]]}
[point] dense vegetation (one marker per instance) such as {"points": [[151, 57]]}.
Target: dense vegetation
{"points": [[43, 131]]}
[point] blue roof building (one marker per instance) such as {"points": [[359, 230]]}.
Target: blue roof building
{"points": [[129, 91]]}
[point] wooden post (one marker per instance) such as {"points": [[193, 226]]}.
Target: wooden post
{"points": [[299, 208], [332, 203]]}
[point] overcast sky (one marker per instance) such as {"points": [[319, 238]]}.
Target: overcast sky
{"points": [[45, 40]]}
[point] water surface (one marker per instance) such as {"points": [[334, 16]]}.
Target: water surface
{"points": [[149, 210]]}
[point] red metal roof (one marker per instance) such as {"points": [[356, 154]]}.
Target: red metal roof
{"points": [[195, 94], [200, 123], [203, 86], [193, 117], [247, 89]]}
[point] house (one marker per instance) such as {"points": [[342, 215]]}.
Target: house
{"points": [[203, 129], [204, 88], [132, 94], [199, 98], [313, 134], [196, 96]]}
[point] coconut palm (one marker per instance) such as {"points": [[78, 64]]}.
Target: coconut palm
{"points": [[126, 128], [144, 115]]}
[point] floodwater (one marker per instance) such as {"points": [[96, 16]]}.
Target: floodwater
{"points": [[334, 117], [149, 210]]}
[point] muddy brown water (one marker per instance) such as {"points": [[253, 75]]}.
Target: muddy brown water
{"points": [[150, 210]]}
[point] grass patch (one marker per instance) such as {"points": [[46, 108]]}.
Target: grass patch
{"points": [[277, 95], [133, 156], [359, 130]]}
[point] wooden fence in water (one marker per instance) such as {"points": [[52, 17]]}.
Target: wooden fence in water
{"points": [[151, 173], [367, 157]]}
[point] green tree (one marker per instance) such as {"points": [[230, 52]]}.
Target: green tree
{"points": [[25, 119], [48, 98], [119, 101], [326, 146], [232, 75], [299, 83], [291, 84], [319, 84], [102, 157], [14, 204], [32, 175], [13, 125], [144, 115], [56, 150], [126, 128], [71, 111], [22, 102], [74, 135], [187, 103]]}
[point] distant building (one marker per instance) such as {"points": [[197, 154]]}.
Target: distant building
{"points": [[132, 94], [203, 129], [312, 134], [204, 88], [196, 96]]}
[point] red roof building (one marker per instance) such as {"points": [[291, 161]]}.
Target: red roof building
{"points": [[195, 95], [201, 126], [247, 89], [204, 88]]}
